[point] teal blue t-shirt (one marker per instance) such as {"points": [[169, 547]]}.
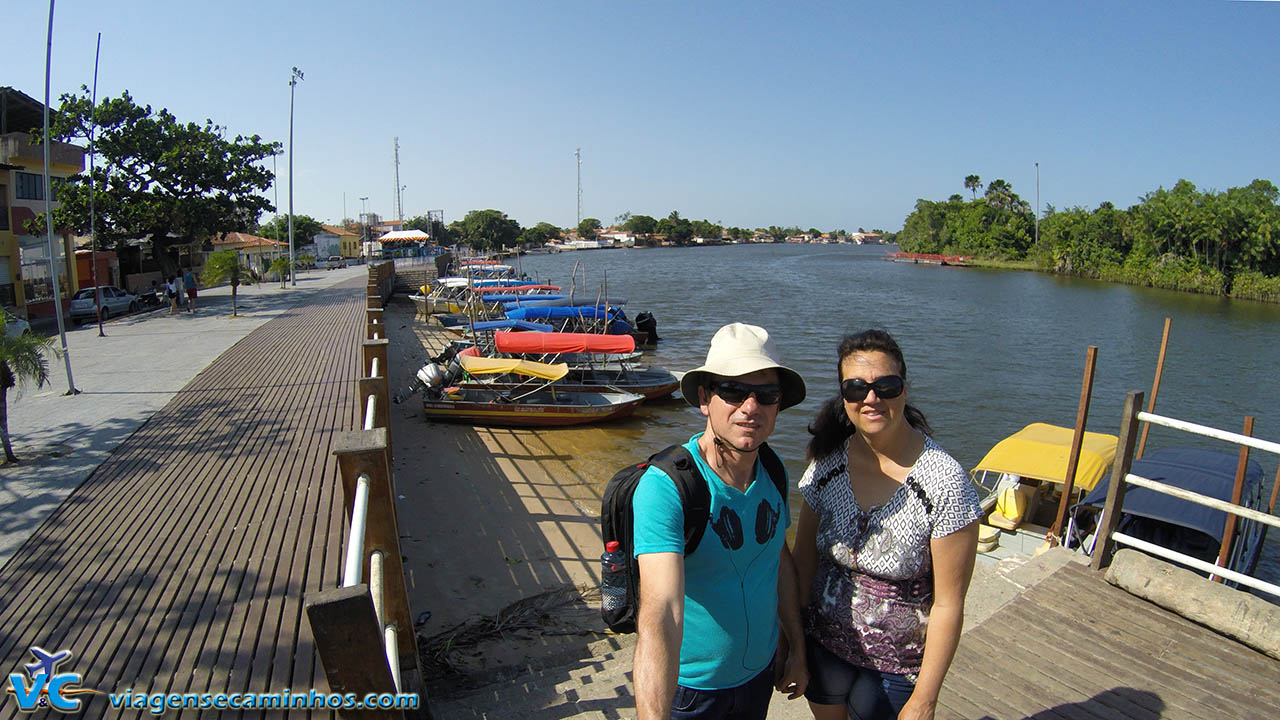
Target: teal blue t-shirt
{"points": [[730, 580]]}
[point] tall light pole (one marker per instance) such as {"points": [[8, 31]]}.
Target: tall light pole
{"points": [[578, 154], [1037, 204], [48, 214], [364, 219], [293, 82]]}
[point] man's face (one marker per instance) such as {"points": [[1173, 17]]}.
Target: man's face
{"points": [[744, 425]]}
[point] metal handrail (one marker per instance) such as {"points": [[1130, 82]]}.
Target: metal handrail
{"points": [[1205, 430], [1195, 497], [355, 536]]}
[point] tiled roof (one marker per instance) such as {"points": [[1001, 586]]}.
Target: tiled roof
{"points": [[240, 241]]}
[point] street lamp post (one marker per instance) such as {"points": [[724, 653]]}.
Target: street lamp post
{"points": [[293, 82], [364, 221]]}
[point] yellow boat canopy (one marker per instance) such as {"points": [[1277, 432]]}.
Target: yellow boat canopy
{"points": [[1040, 451], [497, 366]]}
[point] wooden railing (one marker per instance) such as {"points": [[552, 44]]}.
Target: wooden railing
{"points": [[1108, 536], [363, 630]]}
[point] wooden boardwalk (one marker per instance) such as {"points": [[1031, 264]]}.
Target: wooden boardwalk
{"points": [[1076, 648], [181, 563]]}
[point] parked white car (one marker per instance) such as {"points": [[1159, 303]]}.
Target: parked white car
{"points": [[115, 301], [334, 262], [14, 325]]}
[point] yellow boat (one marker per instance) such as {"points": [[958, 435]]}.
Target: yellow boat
{"points": [[1028, 468]]}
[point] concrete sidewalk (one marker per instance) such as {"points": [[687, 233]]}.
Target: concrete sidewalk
{"points": [[123, 378]]}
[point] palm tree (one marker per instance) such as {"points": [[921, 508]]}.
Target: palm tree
{"points": [[972, 183], [225, 265], [22, 359], [280, 266]]}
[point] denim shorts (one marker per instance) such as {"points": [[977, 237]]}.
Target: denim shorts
{"points": [[868, 694], [748, 701]]}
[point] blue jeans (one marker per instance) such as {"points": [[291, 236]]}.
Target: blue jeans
{"points": [[749, 701], [868, 694]]}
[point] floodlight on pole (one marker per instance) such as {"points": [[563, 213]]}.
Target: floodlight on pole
{"points": [[293, 82], [1037, 204]]}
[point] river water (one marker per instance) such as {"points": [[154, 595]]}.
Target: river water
{"points": [[988, 351]]}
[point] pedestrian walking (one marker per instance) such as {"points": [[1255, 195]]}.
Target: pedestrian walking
{"points": [[189, 280], [171, 293]]}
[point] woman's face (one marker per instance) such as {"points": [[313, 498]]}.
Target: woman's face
{"points": [[873, 414]]}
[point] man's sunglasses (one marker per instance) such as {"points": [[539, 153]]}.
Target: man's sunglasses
{"points": [[889, 386], [735, 393]]}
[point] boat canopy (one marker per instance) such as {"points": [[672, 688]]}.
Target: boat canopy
{"points": [[1040, 451], [512, 297], [1208, 472], [499, 366], [510, 324], [499, 282], [507, 342], [530, 313]]}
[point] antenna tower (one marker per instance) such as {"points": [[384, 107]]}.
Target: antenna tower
{"points": [[398, 197], [578, 154]]}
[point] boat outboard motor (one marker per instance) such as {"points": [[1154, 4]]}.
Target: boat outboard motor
{"points": [[646, 323], [430, 379]]}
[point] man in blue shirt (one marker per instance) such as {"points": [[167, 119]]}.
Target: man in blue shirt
{"points": [[708, 623]]}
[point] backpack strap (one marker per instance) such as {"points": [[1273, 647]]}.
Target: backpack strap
{"points": [[695, 496], [777, 473]]}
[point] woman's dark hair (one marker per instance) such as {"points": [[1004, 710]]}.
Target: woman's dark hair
{"points": [[831, 426]]}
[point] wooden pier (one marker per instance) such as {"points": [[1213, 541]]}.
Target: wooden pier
{"points": [[181, 563], [1073, 647]]}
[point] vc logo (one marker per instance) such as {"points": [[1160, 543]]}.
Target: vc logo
{"points": [[47, 686]]}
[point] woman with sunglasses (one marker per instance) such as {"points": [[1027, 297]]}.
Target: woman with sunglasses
{"points": [[885, 544]]}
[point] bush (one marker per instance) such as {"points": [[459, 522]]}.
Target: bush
{"points": [[1169, 273], [1253, 285]]}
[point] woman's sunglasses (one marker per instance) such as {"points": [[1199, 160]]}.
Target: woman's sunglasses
{"points": [[735, 393], [889, 386]]}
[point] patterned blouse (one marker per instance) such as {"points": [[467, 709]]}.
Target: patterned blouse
{"points": [[873, 588]]}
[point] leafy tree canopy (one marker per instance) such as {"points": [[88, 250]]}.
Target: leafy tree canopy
{"points": [[485, 229], [589, 228], [155, 176], [640, 225], [539, 234], [305, 227]]}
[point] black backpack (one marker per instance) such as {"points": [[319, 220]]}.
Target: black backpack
{"points": [[617, 521]]}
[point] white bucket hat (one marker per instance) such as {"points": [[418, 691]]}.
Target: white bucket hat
{"points": [[740, 349]]}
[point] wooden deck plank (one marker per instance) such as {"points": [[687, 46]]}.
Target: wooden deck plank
{"points": [[190, 539], [1074, 644]]}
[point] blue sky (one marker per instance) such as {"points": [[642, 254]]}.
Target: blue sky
{"points": [[832, 115]]}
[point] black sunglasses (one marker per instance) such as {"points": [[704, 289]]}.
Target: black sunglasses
{"points": [[734, 392], [889, 386]]}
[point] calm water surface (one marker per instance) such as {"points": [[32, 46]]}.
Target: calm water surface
{"points": [[987, 351]]}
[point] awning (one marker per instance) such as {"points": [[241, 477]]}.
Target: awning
{"points": [[1039, 451], [404, 236], [499, 366], [508, 342]]}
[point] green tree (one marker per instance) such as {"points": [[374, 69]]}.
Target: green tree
{"points": [[539, 234], [706, 229], [589, 228], [155, 176], [431, 226], [22, 359], [280, 268], [305, 227], [973, 183], [485, 229], [640, 225], [306, 260], [677, 229], [226, 265]]}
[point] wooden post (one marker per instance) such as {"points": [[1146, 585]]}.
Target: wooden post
{"points": [[375, 328], [1077, 441], [1275, 486], [373, 301], [374, 349], [373, 315], [1155, 385], [1115, 491], [351, 646], [1229, 532], [365, 452]]}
